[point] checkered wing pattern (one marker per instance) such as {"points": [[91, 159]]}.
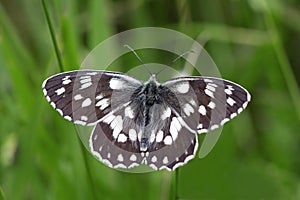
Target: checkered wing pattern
{"points": [[144, 123], [84, 96], [207, 103]]}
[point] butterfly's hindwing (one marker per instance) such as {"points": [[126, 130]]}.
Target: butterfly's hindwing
{"points": [[170, 144], [111, 154], [174, 145]]}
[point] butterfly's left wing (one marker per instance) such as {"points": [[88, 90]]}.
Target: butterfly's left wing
{"points": [[207, 103], [86, 96]]}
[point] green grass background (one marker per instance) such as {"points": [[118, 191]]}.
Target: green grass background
{"points": [[255, 43]]}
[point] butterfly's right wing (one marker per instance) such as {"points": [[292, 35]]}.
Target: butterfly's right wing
{"points": [[86, 96], [207, 103]]}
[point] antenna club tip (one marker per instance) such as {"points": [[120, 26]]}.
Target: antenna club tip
{"points": [[129, 47]]}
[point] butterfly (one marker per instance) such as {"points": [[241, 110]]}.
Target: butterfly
{"points": [[149, 123]]}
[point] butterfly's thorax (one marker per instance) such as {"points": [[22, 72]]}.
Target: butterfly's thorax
{"points": [[147, 96]]}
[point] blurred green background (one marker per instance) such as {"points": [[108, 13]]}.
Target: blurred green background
{"points": [[255, 43]]}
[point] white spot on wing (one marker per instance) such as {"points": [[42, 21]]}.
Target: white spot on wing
{"points": [[139, 135], [80, 122], [175, 127], [168, 140], [215, 126], [120, 158], [78, 97], [122, 138], [202, 110], [159, 136], [209, 93], [183, 87], [84, 77], [188, 109], [132, 135], [210, 86], [116, 84], [103, 103], [45, 92], [192, 102], [109, 119], [99, 96], [165, 160], [53, 105], [117, 126], [133, 157], [44, 83], [166, 114], [84, 118], [154, 159], [233, 115], [60, 91], [202, 131], [245, 104], [86, 102], [239, 110], [120, 165], [68, 118], [95, 137], [85, 85], [227, 91], [92, 73], [248, 97], [230, 87], [230, 101], [224, 121], [60, 111], [129, 112], [152, 136], [211, 105], [207, 80], [200, 126], [66, 82]]}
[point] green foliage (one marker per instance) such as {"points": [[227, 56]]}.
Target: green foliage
{"points": [[254, 43]]}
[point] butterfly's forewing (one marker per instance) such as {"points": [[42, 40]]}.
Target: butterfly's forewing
{"points": [[217, 100], [84, 96]]}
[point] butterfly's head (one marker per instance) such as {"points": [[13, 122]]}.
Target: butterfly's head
{"points": [[153, 77]]}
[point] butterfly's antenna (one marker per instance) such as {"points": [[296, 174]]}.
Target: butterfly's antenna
{"points": [[133, 51], [183, 54], [173, 61]]}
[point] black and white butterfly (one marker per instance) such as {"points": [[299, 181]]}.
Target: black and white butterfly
{"points": [[144, 123]]}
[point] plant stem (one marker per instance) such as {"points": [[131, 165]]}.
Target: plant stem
{"points": [[60, 63], [54, 41], [282, 58]]}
